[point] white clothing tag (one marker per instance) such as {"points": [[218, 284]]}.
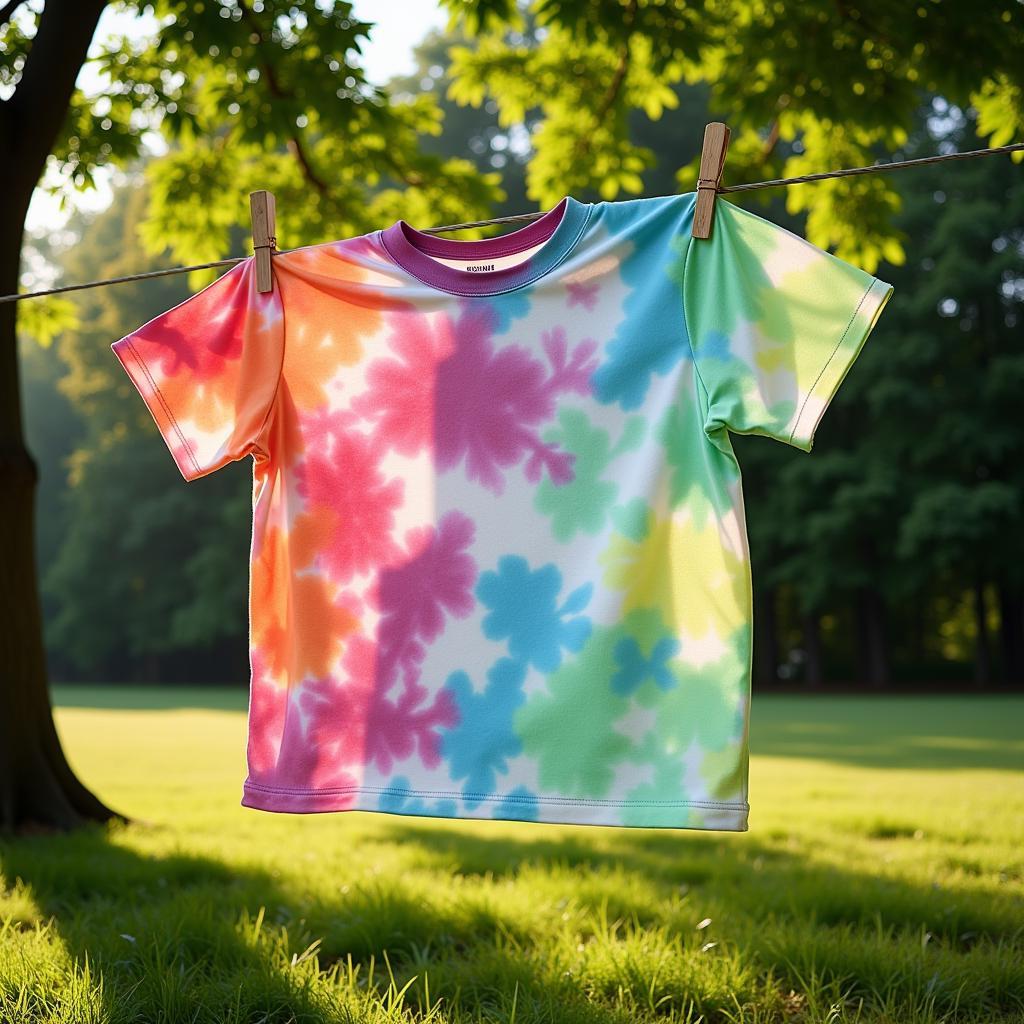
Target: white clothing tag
{"points": [[486, 265]]}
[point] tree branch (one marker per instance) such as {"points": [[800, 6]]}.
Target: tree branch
{"points": [[583, 145], [274, 86], [42, 96]]}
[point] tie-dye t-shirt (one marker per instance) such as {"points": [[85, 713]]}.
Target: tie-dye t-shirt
{"points": [[499, 561]]}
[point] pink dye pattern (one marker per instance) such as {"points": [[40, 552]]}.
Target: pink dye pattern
{"points": [[490, 403]]}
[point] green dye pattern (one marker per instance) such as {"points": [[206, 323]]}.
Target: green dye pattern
{"points": [[582, 763], [582, 504]]}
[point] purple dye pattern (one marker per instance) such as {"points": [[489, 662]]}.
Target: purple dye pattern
{"points": [[490, 403], [438, 577]]}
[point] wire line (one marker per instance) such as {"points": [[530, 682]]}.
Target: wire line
{"points": [[516, 217]]}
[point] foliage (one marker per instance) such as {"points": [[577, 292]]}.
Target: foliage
{"points": [[250, 95], [805, 87], [46, 317]]}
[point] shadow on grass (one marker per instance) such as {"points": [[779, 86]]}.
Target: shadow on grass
{"points": [[187, 938], [182, 937], [951, 733], [786, 884], [152, 925]]}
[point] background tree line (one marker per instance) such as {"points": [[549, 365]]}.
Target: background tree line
{"points": [[888, 558]]}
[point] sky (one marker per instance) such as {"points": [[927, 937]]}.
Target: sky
{"points": [[398, 26]]}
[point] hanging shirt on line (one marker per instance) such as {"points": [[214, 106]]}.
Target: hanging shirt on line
{"points": [[499, 562]]}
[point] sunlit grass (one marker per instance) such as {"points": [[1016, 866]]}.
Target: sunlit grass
{"points": [[881, 881]]}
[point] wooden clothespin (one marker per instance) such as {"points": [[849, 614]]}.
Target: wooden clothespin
{"points": [[263, 211], [712, 163]]}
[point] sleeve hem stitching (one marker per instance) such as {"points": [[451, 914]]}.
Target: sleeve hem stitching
{"points": [[828, 362], [187, 447]]}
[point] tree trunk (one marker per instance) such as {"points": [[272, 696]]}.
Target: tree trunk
{"points": [[872, 650], [38, 790], [37, 787], [766, 637], [1011, 630], [983, 645], [814, 666]]}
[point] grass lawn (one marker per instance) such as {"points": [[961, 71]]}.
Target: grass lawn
{"points": [[881, 880]]}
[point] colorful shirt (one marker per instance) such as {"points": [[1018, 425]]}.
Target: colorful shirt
{"points": [[499, 562]]}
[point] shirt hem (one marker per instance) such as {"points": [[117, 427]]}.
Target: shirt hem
{"points": [[685, 814]]}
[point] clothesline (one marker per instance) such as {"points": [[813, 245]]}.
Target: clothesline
{"points": [[516, 217]]}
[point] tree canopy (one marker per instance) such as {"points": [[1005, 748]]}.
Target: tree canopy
{"points": [[805, 87]]}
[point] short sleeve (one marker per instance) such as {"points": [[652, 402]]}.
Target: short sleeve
{"points": [[774, 324], [208, 370]]}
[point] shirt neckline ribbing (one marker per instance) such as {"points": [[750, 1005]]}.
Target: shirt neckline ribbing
{"points": [[557, 231]]}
